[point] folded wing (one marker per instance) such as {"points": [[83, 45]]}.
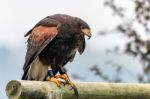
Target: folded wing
{"points": [[39, 37]]}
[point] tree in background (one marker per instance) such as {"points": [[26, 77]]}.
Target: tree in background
{"points": [[138, 40]]}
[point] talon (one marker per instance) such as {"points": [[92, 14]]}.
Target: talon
{"points": [[56, 81], [69, 83], [71, 87], [63, 83], [65, 77]]}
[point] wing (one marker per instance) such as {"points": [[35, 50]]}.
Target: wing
{"points": [[48, 21], [81, 43], [40, 36]]}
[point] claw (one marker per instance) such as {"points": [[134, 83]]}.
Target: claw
{"points": [[65, 77], [69, 83], [56, 81]]}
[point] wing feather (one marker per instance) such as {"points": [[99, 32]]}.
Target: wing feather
{"points": [[39, 38], [48, 21], [81, 43]]}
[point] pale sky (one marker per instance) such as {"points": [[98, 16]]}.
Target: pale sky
{"points": [[18, 16]]}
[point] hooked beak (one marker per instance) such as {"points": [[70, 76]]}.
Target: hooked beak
{"points": [[90, 36], [87, 32]]}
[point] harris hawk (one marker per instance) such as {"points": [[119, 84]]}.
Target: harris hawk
{"points": [[51, 44]]}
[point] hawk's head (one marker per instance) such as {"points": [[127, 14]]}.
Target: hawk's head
{"points": [[84, 28]]}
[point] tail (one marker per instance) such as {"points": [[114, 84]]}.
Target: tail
{"points": [[75, 89], [76, 93], [25, 76]]}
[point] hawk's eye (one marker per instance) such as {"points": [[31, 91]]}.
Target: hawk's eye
{"points": [[82, 27]]}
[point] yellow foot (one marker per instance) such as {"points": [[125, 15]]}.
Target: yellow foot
{"points": [[66, 78], [53, 79], [69, 83]]}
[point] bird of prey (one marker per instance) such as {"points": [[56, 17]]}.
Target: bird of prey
{"points": [[51, 44]]}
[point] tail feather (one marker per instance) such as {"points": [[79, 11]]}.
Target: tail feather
{"points": [[36, 71], [24, 76]]}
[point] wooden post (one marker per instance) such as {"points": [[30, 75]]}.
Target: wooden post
{"points": [[18, 89]]}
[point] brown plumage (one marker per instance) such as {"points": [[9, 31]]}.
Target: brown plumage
{"points": [[53, 42]]}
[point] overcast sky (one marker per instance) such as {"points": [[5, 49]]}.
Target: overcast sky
{"points": [[18, 16]]}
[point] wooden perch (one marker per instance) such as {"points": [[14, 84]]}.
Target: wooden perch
{"points": [[17, 89]]}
